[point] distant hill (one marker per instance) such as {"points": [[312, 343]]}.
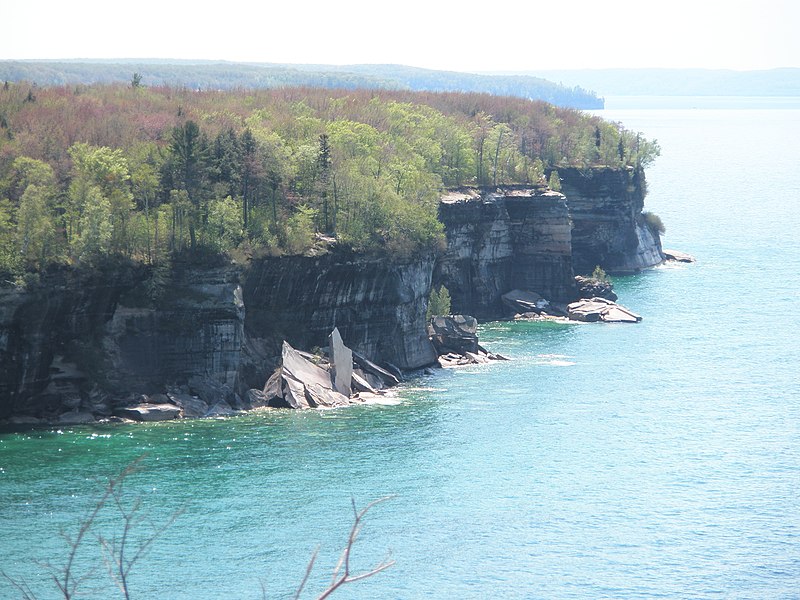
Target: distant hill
{"points": [[227, 75], [678, 82]]}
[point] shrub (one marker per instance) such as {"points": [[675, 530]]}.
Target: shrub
{"points": [[600, 275], [654, 222]]}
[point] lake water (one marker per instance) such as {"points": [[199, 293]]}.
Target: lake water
{"points": [[605, 461]]}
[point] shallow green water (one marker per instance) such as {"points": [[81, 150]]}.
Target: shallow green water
{"points": [[655, 460]]}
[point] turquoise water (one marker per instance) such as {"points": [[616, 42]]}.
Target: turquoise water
{"points": [[604, 461]]}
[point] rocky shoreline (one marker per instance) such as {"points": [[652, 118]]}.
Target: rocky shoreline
{"points": [[79, 346]]}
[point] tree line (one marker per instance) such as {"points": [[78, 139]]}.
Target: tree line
{"points": [[208, 75], [88, 172]]}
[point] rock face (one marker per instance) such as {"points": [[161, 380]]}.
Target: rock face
{"points": [[378, 306], [608, 227], [499, 241], [96, 342], [50, 339], [192, 334], [92, 342]]}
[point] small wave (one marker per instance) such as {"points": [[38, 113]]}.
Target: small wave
{"points": [[559, 363]]}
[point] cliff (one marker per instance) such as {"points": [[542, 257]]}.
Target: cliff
{"points": [[92, 343], [499, 241], [608, 228], [377, 305]]}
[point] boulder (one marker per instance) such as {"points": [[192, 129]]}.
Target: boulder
{"points": [[149, 412], [678, 256], [210, 390], [454, 333], [599, 309], [589, 287], [191, 406]]}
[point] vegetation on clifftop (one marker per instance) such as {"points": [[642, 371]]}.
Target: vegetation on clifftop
{"points": [[92, 171]]}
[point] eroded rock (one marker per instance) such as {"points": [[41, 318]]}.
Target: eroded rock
{"points": [[454, 333]]}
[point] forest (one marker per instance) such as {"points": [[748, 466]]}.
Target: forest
{"points": [[216, 75], [144, 173]]}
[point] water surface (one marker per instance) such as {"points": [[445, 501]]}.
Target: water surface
{"points": [[619, 461]]}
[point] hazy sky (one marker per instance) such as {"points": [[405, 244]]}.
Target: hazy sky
{"points": [[465, 35]]}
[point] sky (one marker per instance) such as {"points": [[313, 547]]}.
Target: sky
{"points": [[493, 35]]}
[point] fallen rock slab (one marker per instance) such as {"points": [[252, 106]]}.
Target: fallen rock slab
{"points": [[370, 367], [593, 310], [299, 383], [523, 301], [149, 412], [342, 362]]}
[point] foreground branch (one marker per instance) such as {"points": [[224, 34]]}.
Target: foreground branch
{"points": [[341, 573]]}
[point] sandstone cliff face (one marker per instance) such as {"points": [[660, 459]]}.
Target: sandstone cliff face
{"points": [[378, 306], [497, 242], [92, 343], [50, 335], [193, 333], [608, 228]]}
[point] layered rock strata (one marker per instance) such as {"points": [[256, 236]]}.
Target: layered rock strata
{"points": [[91, 344], [518, 238], [377, 305], [608, 227]]}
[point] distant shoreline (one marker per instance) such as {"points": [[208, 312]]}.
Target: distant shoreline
{"points": [[624, 102]]}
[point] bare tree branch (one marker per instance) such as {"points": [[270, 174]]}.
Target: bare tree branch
{"points": [[66, 581], [309, 568], [344, 560]]}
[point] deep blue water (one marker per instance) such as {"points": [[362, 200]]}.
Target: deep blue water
{"points": [[605, 461]]}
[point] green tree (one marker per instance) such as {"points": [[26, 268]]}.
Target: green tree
{"points": [[554, 183], [225, 224], [100, 172], [96, 227], [188, 150], [300, 230], [9, 258], [439, 302]]}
